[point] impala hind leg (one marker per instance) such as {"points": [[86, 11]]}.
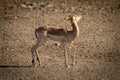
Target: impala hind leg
{"points": [[35, 53]]}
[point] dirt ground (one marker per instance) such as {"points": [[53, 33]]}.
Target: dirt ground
{"points": [[98, 45]]}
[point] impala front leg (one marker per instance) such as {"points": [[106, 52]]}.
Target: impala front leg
{"points": [[66, 60], [74, 54]]}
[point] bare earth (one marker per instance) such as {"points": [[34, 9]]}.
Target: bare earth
{"points": [[98, 45]]}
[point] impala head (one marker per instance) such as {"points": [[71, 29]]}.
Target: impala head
{"points": [[74, 18]]}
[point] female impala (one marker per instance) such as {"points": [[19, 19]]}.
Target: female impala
{"points": [[59, 35]]}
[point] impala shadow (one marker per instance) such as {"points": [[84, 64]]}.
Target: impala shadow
{"points": [[14, 66]]}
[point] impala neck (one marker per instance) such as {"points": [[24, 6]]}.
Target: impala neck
{"points": [[75, 28]]}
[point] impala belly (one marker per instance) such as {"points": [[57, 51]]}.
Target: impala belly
{"points": [[56, 38]]}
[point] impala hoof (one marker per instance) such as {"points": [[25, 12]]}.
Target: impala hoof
{"points": [[68, 66], [33, 64]]}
